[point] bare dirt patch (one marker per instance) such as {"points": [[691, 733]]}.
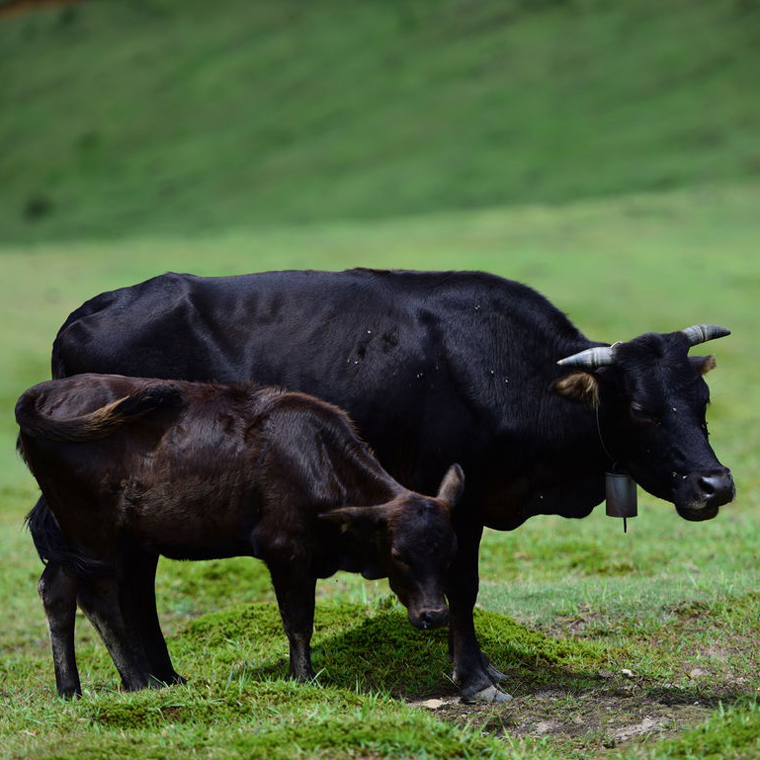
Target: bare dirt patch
{"points": [[599, 719]]}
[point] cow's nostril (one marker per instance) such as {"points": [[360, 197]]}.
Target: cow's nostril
{"points": [[717, 489], [707, 485]]}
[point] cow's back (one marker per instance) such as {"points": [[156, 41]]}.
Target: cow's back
{"points": [[431, 365]]}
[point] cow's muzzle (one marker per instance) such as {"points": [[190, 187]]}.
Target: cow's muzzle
{"points": [[708, 492]]}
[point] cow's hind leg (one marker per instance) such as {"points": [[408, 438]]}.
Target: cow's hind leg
{"points": [[58, 592], [138, 595], [472, 670], [100, 601], [295, 596]]}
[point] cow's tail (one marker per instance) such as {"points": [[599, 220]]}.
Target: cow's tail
{"points": [[98, 424]]}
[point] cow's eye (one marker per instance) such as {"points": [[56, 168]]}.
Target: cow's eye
{"points": [[641, 414]]}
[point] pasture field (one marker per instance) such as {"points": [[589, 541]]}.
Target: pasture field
{"points": [[623, 646]]}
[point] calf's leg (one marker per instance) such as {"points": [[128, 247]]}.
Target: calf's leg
{"points": [[476, 676], [100, 601], [58, 592], [295, 596]]}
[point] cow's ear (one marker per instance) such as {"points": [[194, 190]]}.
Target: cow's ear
{"points": [[703, 364], [357, 519], [579, 386], [452, 486]]}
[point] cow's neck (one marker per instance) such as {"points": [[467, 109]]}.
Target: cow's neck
{"points": [[559, 471]]}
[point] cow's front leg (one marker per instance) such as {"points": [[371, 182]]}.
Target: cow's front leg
{"points": [[295, 596], [476, 676]]}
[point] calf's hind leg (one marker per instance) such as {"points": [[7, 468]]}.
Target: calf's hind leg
{"points": [[295, 596], [100, 601], [58, 592]]}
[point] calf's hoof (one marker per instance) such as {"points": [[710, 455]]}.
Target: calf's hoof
{"points": [[169, 679], [306, 676], [73, 692], [489, 695]]}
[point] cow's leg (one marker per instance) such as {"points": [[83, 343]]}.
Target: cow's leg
{"points": [[58, 592], [100, 601], [138, 598], [476, 676], [295, 596]]}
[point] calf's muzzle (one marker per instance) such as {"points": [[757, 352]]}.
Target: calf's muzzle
{"points": [[429, 617]]}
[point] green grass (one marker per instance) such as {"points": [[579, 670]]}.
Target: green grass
{"points": [[162, 116], [567, 606]]}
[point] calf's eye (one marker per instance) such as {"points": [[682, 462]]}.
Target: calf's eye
{"points": [[398, 559]]}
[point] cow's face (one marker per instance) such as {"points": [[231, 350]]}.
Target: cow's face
{"points": [[651, 404]]}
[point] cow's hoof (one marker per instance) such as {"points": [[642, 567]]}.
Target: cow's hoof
{"points": [[490, 695]]}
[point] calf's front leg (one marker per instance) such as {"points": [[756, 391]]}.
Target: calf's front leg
{"points": [[295, 596]]}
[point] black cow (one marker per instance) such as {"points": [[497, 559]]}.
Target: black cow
{"points": [[134, 468], [434, 367]]}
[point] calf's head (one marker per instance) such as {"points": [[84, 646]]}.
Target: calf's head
{"points": [[410, 540], [650, 399]]}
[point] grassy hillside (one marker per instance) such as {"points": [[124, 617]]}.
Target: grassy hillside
{"points": [[119, 118], [567, 605]]}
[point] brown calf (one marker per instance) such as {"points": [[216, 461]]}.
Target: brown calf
{"points": [[136, 468]]}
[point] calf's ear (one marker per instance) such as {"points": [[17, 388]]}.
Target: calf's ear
{"points": [[579, 386], [703, 364], [357, 519], [452, 486]]}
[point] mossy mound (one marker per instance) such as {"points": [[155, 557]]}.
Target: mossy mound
{"points": [[356, 647], [267, 720], [221, 701]]}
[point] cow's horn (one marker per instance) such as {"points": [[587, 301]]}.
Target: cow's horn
{"points": [[702, 333], [598, 356]]}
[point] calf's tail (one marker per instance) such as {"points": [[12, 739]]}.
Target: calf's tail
{"points": [[46, 533], [98, 424], [54, 549]]}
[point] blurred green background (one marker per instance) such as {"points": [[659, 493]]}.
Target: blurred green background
{"points": [[605, 153], [160, 116]]}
